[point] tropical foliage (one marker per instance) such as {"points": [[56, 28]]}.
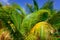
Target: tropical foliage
{"points": [[39, 24]]}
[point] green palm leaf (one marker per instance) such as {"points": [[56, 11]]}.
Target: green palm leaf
{"points": [[48, 5], [15, 18], [55, 22], [30, 7], [35, 5], [30, 20], [19, 8]]}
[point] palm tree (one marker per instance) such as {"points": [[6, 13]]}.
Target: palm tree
{"points": [[40, 24], [11, 19]]}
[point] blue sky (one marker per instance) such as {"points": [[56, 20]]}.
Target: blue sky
{"points": [[22, 3]]}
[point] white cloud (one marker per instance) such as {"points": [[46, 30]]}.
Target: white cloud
{"points": [[5, 1]]}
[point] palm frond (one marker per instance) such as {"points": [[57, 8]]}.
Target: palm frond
{"points": [[48, 5], [14, 19], [30, 20], [55, 22], [35, 5], [19, 8], [30, 7]]}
